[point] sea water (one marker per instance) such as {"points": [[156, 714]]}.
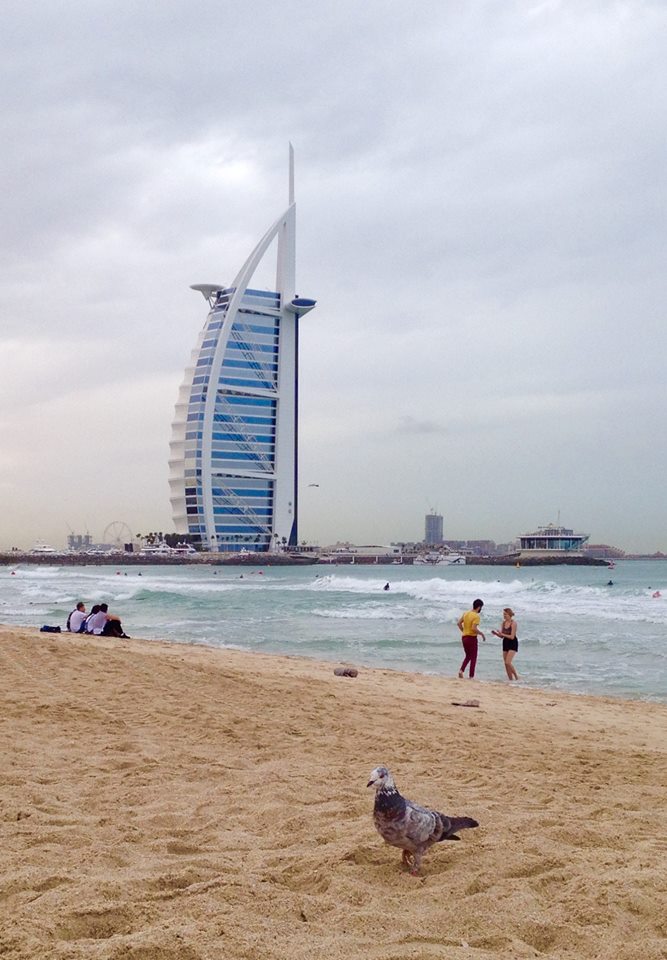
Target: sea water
{"points": [[576, 632]]}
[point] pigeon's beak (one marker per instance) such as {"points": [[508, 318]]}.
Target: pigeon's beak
{"points": [[371, 783]]}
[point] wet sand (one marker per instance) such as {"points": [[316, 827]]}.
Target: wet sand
{"points": [[170, 802]]}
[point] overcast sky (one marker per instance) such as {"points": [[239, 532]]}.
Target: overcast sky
{"points": [[481, 201]]}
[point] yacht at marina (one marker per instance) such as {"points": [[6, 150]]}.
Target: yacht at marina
{"points": [[41, 547]]}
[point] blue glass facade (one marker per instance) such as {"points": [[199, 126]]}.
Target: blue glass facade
{"points": [[243, 439]]}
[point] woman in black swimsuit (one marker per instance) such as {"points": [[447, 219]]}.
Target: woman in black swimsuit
{"points": [[507, 634]]}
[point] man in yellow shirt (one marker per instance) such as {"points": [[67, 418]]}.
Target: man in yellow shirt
{"points": [[468, 624]]}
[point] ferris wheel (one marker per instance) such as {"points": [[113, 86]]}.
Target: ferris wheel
{"points": [[117, 533]]}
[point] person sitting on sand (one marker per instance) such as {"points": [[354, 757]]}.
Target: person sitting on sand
{"points": [[105, 624], [507, 634], [77, 618], [468, 624], [87, 623]]}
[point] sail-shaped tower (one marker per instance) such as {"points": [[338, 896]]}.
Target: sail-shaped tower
{"points": [[234, 447]]}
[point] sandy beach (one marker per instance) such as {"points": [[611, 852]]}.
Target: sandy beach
{"points": [[172, 802]]}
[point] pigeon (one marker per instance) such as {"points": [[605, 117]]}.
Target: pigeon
{"points": [[406, 825]]}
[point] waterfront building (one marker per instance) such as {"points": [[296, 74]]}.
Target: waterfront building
{"points": [[474, 548], [79, 542], [552, 541], [604, 550], [234, 447], [433, 528]]}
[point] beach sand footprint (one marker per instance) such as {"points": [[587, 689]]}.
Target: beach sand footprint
{"points": [[100, 924], [302, 876], [541, 935], [184, 849], [154, 951]]}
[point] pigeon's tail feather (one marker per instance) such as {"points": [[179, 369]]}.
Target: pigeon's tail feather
{"points": [[457, 823], [462, 823]]}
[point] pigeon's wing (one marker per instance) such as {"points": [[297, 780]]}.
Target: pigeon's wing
{"points": [[421, 825]]}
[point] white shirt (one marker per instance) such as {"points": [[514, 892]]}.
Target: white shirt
{"points": [[76, 620], [96, 622]]}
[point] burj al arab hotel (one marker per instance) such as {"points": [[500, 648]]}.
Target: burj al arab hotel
{"points": [[234, 447]]}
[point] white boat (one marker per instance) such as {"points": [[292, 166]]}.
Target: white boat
{"points": [[41, 547], [436, 559], [184, 550], [161, 549]]}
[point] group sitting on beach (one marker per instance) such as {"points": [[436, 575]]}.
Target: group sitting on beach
{"points": [[99, 621]]}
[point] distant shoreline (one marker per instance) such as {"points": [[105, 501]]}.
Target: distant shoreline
{"points": [[284, 560], [139, 560]]}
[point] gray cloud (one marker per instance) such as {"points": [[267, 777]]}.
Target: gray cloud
{"points": [[411, 426]]}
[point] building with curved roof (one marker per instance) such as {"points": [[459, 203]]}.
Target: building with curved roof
{"points": [[234, 447]]}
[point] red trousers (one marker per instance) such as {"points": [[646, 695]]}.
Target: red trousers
{"points": [[470, 645]]}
